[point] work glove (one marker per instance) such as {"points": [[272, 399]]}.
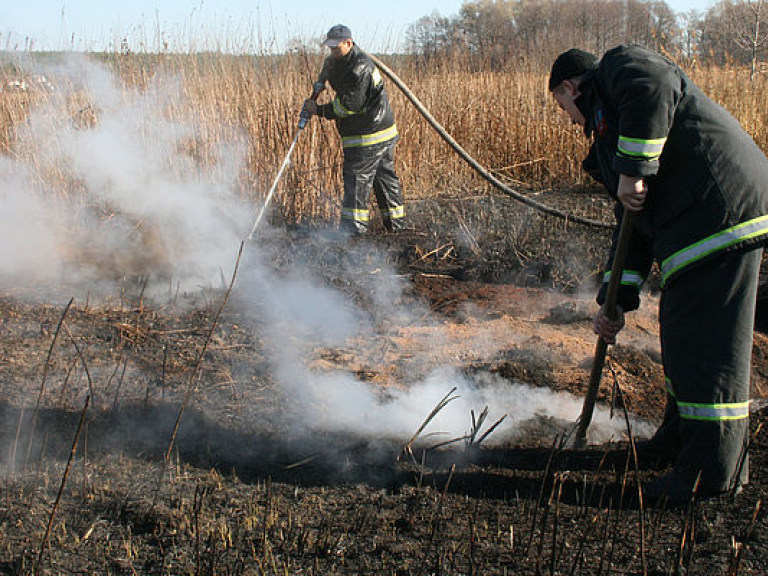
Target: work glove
{"points": [[606, 328], [310, 108]]}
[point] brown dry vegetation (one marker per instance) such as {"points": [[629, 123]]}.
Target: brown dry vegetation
{"points": [[501, 286], [504, 118]]}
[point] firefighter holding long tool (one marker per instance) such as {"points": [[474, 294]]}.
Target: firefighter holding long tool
{"points": [[696, 186], [368, 132]]}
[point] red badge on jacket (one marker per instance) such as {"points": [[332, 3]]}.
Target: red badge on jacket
{"points": [[600, 124]]}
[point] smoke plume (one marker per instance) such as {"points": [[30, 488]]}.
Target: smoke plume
{"points": [[105, 183], [114, 186]]}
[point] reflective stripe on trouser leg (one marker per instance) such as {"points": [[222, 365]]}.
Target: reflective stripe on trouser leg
{"points": [[707, 316], [366, 167], [358, 171], [386, 186]]}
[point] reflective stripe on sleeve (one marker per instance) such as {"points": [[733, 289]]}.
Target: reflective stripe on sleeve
{"points": [[628, 278], [340, 110], [639, 148], [712, 244]]}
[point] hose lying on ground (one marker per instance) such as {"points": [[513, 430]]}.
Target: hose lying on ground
{"points": [[476, 165]]}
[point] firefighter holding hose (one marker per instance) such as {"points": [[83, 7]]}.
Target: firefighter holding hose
{"points": [[697, 187], [368, 133]]}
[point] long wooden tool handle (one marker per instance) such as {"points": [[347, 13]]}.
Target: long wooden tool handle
{"points": [[625, 233]]}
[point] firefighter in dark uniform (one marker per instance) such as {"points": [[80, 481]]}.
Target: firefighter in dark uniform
{"points": [[699, 186], [368, 132]]}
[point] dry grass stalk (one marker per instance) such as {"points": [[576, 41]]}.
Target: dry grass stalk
{"points": [[435, 522], [44, 543], [556, 523], [740, 546], [447, 399], [688, 531], [119, 384], [540, 501], [82, 358], [636, 464], [490, 430], [43, 379], [194, 372]]}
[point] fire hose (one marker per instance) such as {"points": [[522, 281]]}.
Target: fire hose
{"points": [[619, 257], [474, 163], [319, 86], [617, 269]]}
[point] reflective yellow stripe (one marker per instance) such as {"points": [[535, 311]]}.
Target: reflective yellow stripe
{"points": [[398, 212], [715, 243], [340, 111], [670, 390], [713, 412], [704, 412], [356, 214], [628, 278], [370, 139], [639, 148]]}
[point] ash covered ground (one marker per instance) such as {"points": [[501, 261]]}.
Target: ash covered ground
{"points": [[391, 405]]}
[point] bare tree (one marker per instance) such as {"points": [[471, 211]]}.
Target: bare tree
{"points": [[751, 34], [736, 29], [690, 35], [431, 35], [488, 25], [537, 30]]}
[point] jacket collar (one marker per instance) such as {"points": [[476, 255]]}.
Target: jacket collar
{"points": [[351, 55], [585, 101]]}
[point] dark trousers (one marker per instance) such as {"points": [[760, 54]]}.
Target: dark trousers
{"points": [[366, 167], [707, 318]]}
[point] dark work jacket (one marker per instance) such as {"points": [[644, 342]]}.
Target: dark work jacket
{"points": [[707, 179], [361, 107]]}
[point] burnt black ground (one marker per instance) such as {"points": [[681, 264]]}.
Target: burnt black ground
{"points": [[240, 494]]}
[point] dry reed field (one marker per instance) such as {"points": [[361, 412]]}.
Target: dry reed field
{"points": [[505, 118], [396, 405]]}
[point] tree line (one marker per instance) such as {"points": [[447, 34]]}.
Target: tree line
{"points": [[731, 31]]}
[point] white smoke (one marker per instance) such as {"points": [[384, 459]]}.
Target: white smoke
{"points": [[340, 403], [299, 314], [110, 188], [26, 228]]}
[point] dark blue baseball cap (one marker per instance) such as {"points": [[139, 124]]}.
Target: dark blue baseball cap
{"points": [[336, 35]]}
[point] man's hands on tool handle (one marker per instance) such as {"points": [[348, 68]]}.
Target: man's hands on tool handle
{"points": [[632, 192], [309, 108], [606, 328]]}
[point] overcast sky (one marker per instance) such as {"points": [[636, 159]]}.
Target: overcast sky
{"points": [[265, 24]]}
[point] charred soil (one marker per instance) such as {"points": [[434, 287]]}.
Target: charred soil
{"points": [[151, 437]]}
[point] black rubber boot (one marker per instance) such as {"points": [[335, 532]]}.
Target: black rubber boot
{"points": [[665, 445]]}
